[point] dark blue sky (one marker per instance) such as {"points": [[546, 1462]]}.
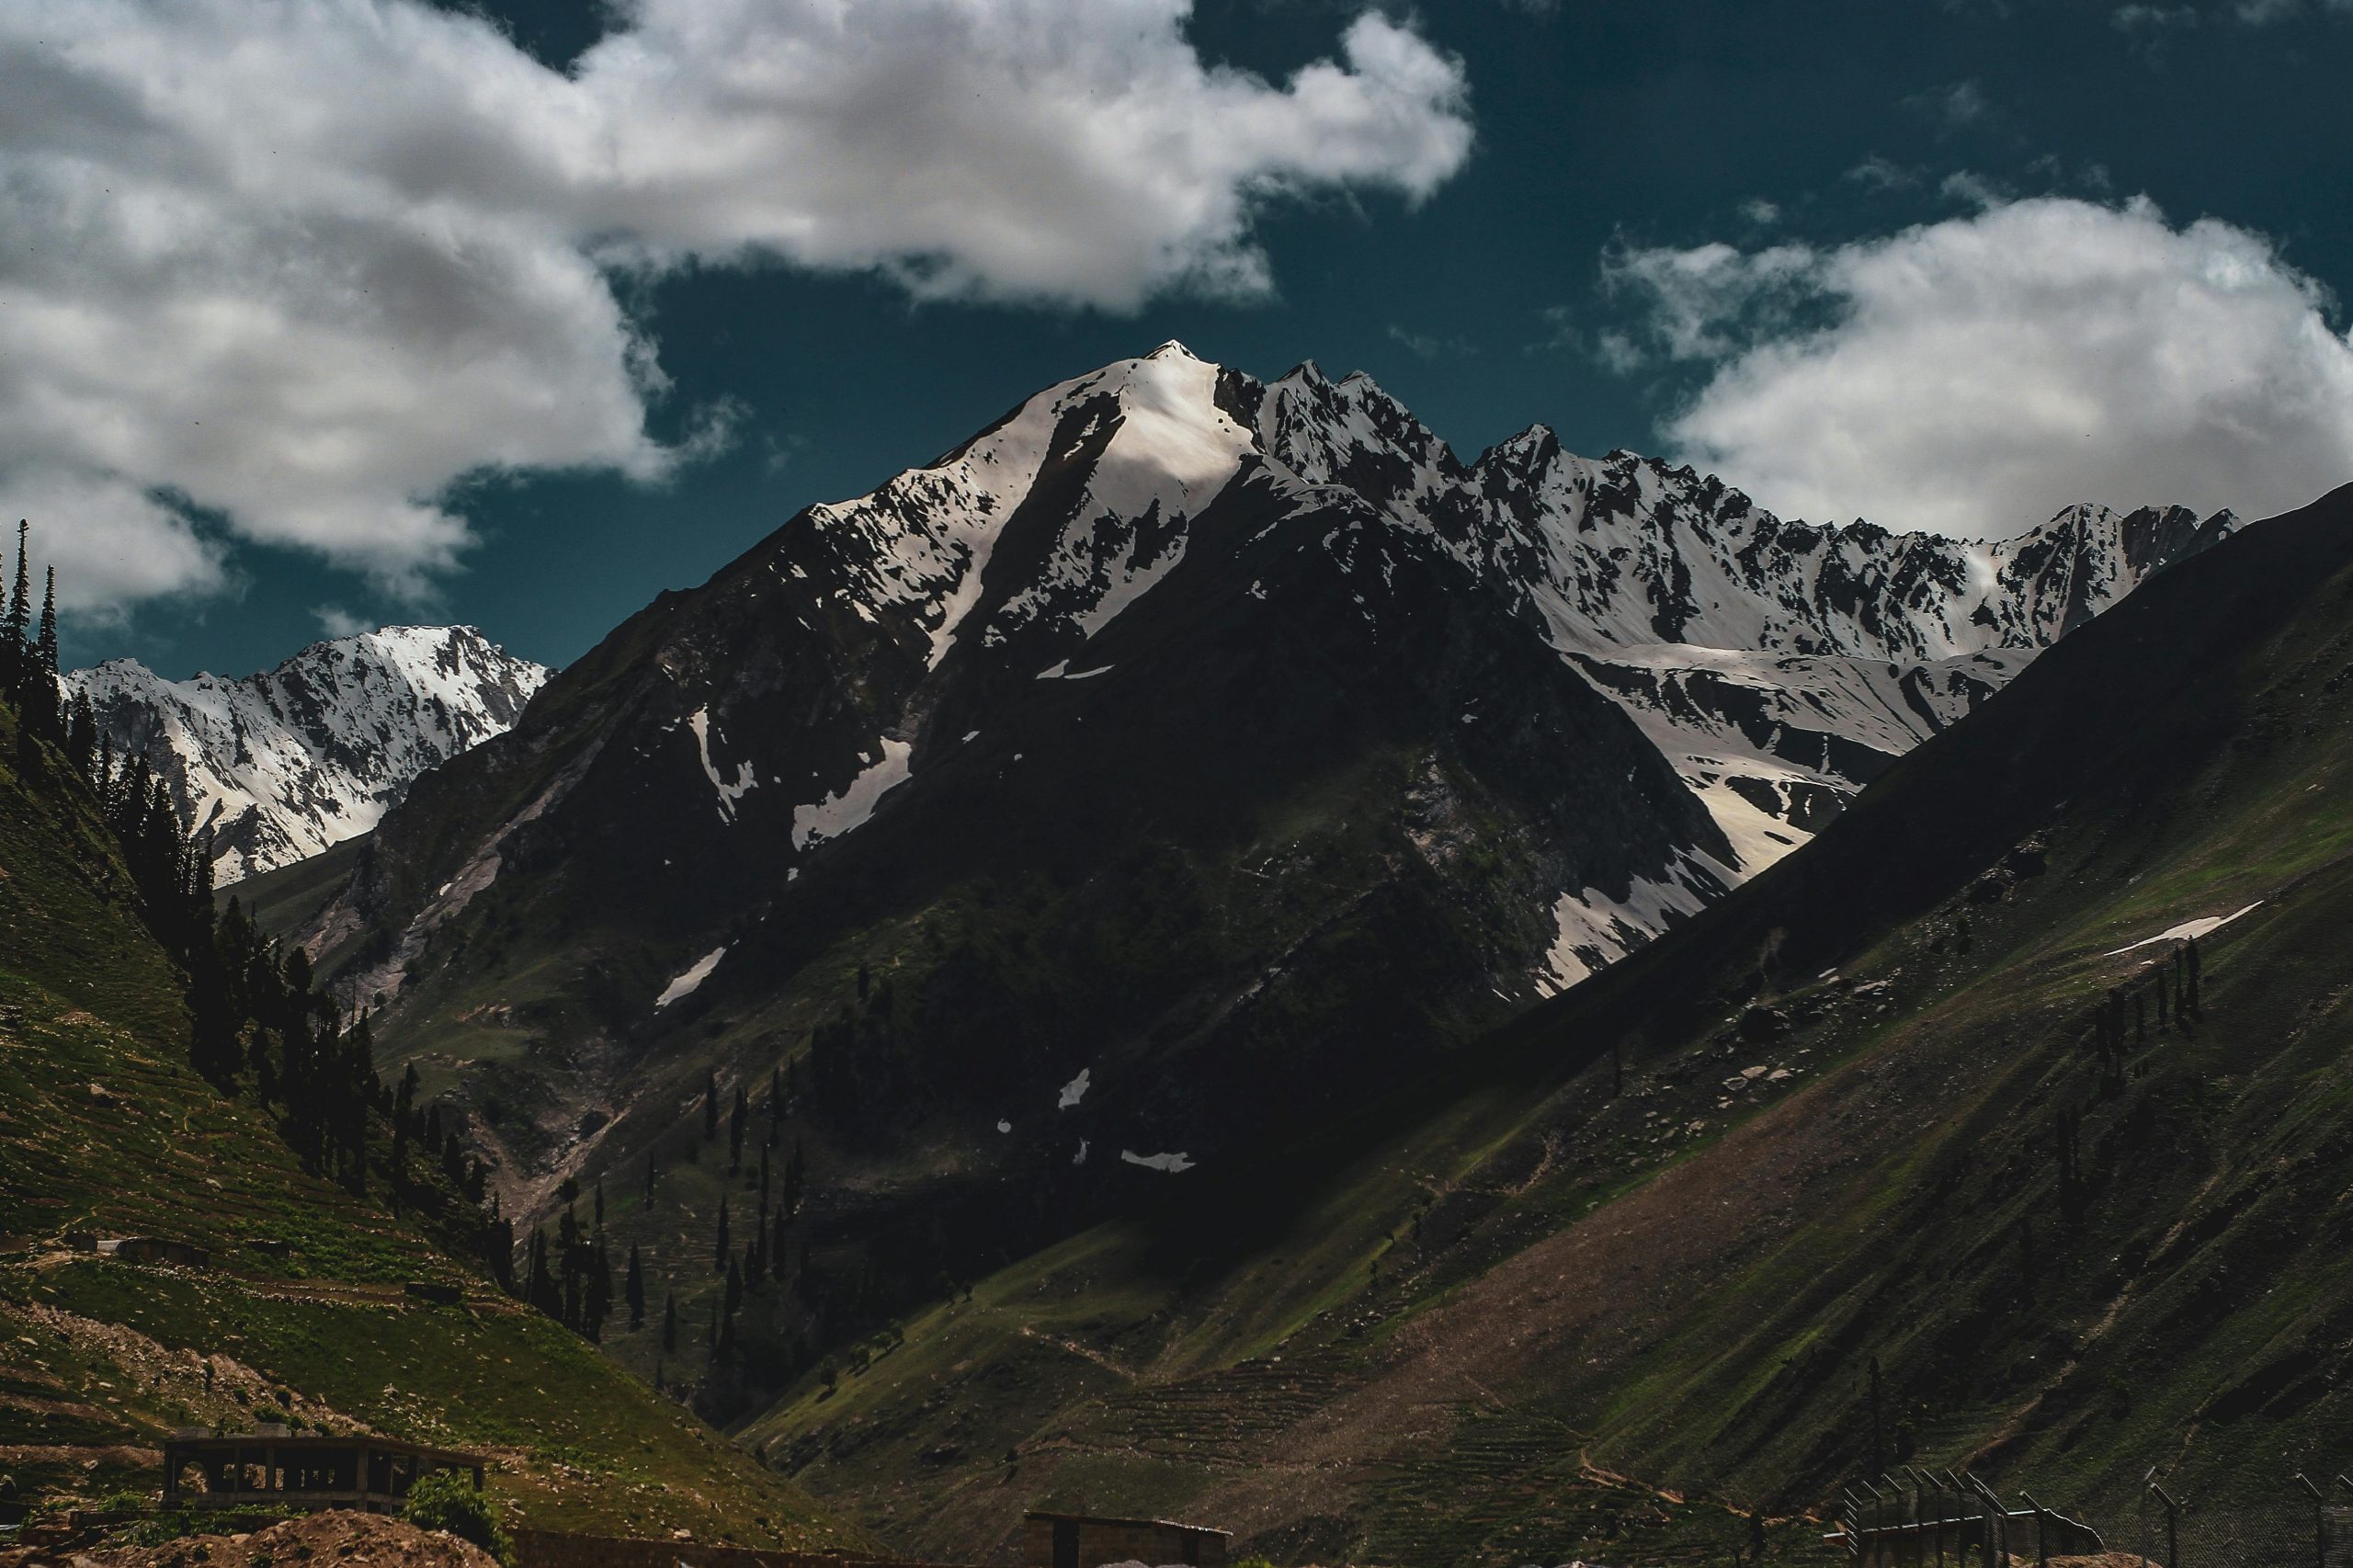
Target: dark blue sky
{"points": [[1637, 126]]}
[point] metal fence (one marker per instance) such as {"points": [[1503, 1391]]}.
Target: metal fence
{"points": [[1912, 1518], [2305, 1525]]}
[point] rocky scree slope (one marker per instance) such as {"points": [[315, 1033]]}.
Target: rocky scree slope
{"points": [[1176, 761], [284, 764]]}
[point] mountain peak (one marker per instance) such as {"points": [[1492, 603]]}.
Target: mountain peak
{"points": [[284, 763]]}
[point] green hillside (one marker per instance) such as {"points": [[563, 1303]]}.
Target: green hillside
{"points": [[104, 1128], [1866, 1109]]}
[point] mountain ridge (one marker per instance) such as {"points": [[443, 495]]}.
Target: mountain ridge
{"points": [[288, 762], [1903, 1110], [1213, 744]]}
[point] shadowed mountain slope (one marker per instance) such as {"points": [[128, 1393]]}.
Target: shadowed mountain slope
{"points": [[1905, 1097], [1181, 755]]}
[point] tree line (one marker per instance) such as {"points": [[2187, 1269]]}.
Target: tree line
{"points": [[260, 1024]]}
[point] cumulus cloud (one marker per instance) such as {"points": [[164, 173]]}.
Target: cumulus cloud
{"points": [[303, 268], [1975, 375], [112, 544]]}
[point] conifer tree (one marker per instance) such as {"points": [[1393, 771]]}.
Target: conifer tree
{"points": [[82, 735], [720, 1258], [16, 622], [633, 1288], [670, 1322], [41, 677], [597, 1303], [540, 1288]]}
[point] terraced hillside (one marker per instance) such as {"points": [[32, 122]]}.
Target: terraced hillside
{"points": [[1879, 1106], [105, 1128]]}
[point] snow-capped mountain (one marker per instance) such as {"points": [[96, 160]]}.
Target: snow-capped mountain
{"points": [[1182, 758], [280, 764], [1777, 666]]}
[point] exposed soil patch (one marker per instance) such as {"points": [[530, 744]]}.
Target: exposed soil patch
{"points": [[316, 1540]]}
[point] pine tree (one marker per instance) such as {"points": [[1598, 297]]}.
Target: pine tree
{"points": [[600, 1206], [41, 677], [540, 1288], [16, 622], [776, 1107], [82, 735], [670, 1322], [720, 1258], [597, 1302], [634, 1289], [794, 1174]]}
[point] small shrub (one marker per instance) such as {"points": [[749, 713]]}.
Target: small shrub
{"points": [[447, 1500], [163, 1526]]}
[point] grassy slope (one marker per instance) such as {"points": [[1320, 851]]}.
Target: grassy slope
{"points": [[104, 1128], [1686, 1281]]}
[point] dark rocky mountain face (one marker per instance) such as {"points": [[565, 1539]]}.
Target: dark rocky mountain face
{"points": [[1176, 764]]}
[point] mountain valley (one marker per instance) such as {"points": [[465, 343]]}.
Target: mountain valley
{"points": [[1183, 770]]}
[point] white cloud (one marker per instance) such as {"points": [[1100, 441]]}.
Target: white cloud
{"points": [[2140, 18], [1975, 375], [337, 622], [1954, 106], [112, 543], [1431, 345], [304, 266]]}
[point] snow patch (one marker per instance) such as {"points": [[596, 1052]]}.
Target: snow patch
{"points": [[691, 978], [2188, 930], [845, 813], [1593, 930], [1170, 1163], [1076, 1090], [699, 723]]}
